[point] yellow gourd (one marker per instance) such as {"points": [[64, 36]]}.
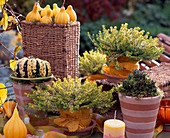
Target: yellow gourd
{"points": [[56, 9], [71, 13], [44, 11], [9, 107], [15, 128], [47, 18], [62, 17], [39, 7], [33, 15]]}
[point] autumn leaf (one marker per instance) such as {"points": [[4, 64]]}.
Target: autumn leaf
{"points": [[3, 93], [16, 50], [5, 20], [12, 64], [2, 2]]}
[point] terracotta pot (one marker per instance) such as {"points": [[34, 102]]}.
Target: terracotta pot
{"points": [[114, 79], [20, 90], [139, 115]]}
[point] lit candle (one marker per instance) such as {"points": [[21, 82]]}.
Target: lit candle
{"points": [[114, 128]]}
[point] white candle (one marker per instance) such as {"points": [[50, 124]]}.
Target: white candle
{"points": [[114, 128]]}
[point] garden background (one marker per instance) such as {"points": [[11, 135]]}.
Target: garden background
{"points": [[150, 15]]}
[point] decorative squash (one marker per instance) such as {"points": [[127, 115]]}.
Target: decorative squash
{"points": [[44, 11], [0, 135], [33, 15], [31, 68], [56, 9], [47, 18], [9, 107], [39, 7], [15, 128], [71, 13], [62, 17]]}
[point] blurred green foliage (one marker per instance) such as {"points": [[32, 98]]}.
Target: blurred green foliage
{"points": [[152, 17]]}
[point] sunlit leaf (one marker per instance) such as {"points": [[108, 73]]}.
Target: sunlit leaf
{"points": [[5, 20], [16, 50], [12, 64], [2, 2], [3, 93]]}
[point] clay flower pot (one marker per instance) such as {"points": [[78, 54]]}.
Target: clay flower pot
{"points": [[139, 115], [21, 88], [114, 79]]}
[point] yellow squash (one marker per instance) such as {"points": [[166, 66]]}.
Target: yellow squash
{"points": [[71, 13], [44, 11], [62, 17], [56, 9], [15, 128], [47, 18], [33, 15]]}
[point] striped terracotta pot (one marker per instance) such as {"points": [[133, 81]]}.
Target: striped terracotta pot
{"points": [[139, 115], [21, 98]]}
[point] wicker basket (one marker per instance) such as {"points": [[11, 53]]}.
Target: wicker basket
{"points": [[58, 44], [161, 74]]}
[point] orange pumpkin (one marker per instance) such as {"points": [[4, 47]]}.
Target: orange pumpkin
{"points": [[44, 11], [56, 9], [33, 15], [47, 18], [15, 128], [71, 13], [62, 17]]}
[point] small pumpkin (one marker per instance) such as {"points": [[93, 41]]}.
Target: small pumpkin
{"points": [[71, 13], [44, 11], [47, 18], [32, 68], [56, 9], [62, 17], [0, 135], [9, 107], [15, 128], [33, 15]]}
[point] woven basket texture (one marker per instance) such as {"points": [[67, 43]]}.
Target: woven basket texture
{"points": [[161, 74], [58, 44]]}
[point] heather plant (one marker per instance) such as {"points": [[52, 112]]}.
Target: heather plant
{"points": [[139, 85], [70, 94], [131, 43], [91, 62]]}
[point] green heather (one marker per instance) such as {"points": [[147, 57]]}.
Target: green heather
{"points": [[70, 94]]}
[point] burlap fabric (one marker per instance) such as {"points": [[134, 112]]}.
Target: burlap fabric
{"points": [[58, 44]]}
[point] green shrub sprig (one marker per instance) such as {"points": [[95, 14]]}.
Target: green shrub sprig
{"points": [[70, 94], [129, 42], [91, 62]]}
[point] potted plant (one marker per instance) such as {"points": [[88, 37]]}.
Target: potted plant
{"points": [[28, 73], [124, 48], [139, 99], [90, 65], [74, 102]]}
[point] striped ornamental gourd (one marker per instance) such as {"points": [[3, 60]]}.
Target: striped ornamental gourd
{"points": [[62, 17], [32, 68]]}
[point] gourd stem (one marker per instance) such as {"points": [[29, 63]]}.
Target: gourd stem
{"points": [[63, 3]]}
